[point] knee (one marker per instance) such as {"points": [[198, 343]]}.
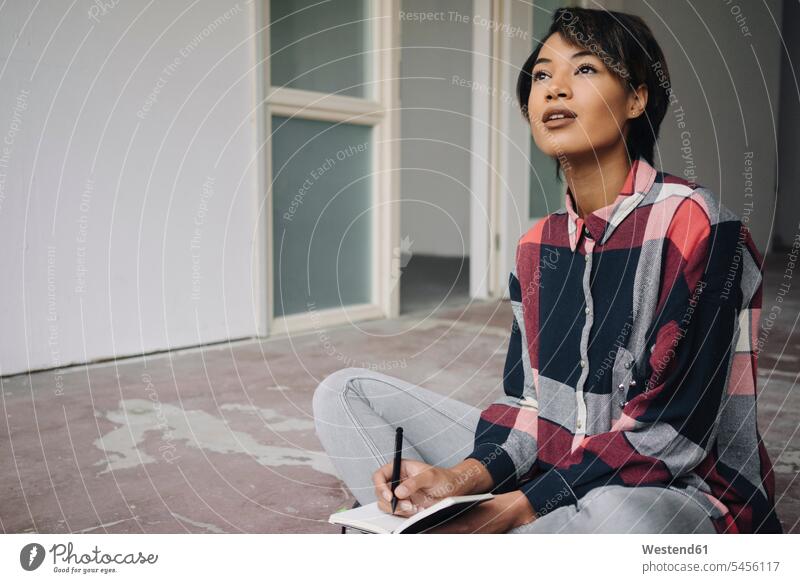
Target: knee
{"points": [[621, 510], [332, 387], [606, 509]]}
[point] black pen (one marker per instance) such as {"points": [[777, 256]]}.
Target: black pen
{"points": [[398, 447]]}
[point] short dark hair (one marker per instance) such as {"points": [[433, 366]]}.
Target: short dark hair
{"points": [[629, 50]]}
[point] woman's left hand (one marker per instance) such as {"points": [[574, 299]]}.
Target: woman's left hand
{"points": [[498, 515]]}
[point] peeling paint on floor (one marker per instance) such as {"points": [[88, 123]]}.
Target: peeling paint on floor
{"points": [[106, 525], [206, 526], [137, 417]]}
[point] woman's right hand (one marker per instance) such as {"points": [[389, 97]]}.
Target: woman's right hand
{"points": [[421, 485]]}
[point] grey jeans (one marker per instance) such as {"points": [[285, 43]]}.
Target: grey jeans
{"points": [[356, 411]]}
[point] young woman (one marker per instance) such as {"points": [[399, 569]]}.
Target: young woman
{"points": [[629, 398]]}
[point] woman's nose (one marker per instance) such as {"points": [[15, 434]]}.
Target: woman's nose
{"points": [[554, 91], [557, 87]]}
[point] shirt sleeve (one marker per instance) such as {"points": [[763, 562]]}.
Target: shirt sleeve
{"points": [[668, 424], [505, 438]]}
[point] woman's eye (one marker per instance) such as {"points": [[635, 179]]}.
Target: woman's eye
{"points": [[585, 68]]}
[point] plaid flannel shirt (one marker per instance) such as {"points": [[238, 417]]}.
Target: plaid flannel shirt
{"points": [[632, 356]]}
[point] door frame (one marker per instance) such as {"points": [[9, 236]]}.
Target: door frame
{"points": [[381, 112], [501, 145]]}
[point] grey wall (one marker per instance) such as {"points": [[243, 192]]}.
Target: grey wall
{"points": [[787, 219], [435, 127], [726, 79]]}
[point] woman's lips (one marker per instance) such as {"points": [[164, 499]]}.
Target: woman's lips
{"points": [[559, 123]]}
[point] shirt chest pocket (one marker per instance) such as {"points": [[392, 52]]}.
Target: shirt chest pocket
{"points": [[624, 378]]}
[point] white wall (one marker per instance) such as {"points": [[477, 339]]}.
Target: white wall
{"points": [[727, 80], [435, 127], [89, 180]]}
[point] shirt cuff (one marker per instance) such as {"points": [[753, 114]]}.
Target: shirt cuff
{"points": [[499, 464], [548, 491]]}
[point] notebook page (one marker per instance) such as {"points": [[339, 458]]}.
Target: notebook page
{"points": [[370, 517]]}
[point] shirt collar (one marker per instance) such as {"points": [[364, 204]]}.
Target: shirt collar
{"points": [[602, 222]]}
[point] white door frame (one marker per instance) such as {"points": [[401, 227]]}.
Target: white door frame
{"points": [[381, 112], [482, 233], [501, 146]]}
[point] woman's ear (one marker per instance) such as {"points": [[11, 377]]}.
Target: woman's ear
{"points": [[637, 101]]}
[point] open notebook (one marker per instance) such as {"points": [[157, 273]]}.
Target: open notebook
{"points": [[371, 519]]}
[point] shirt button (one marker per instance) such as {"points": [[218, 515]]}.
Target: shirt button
{"points": [[583, 364], [629, 364], [632, 383], [621, 386], [579, 424], [586, 257], [587, 310], [586, 232]]}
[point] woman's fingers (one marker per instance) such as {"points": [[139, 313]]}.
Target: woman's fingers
{"points": [[405, 508], [382, 479], [422, 499], [421, 477], [413, 476], [407, 488], [416, 478], [382, 483]]}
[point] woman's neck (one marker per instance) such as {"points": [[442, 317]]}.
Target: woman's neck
{"points": [[596, 179]]}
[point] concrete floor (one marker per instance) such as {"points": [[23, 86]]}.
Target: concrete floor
{"points": [[221, 439]]}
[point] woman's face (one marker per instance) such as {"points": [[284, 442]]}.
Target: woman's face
{"points": [[566, 76]]}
